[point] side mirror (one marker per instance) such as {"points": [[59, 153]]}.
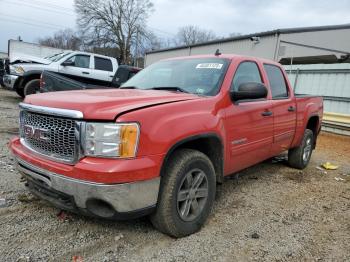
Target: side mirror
{"points": [[249, 90], [68, 63]]}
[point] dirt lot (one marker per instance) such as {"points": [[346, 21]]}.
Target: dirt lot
{"points": [[269, 212]]}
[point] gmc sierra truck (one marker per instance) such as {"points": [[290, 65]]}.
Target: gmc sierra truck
{"points": [[160, 144]]}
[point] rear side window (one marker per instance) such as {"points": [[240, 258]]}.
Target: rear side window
{"points": [[278, 84], [245, 73], [103, 64]]}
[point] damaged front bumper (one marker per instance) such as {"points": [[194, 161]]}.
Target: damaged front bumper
{"points": [[10, 81], [111, 201]]}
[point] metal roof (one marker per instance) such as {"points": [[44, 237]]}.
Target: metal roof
{"points": [[265, 33]]}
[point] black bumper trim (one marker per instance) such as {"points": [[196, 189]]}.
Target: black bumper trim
{"points": [[66, 202]]}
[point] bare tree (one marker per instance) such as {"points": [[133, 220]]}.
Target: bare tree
{"points": [[65, 39], [189, 35], [154, 42], [119, 23]]}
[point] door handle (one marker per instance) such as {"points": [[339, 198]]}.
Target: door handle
{"points": [[266, 113], [85, 73], [291, 109]]}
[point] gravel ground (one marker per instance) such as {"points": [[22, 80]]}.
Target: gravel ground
{"points": [[269, 212]]}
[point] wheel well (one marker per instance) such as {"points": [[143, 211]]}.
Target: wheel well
{"points": [[312, 124], [209, 145], [28, 78]]}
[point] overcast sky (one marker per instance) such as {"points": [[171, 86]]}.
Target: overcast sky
{"points": [[32, 19]]}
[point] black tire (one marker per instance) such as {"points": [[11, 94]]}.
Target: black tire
{"points": [[32, 87], [169, 217], [299, 157], [20, 92]]}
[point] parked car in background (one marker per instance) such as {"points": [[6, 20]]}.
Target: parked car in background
{"points": [[24, 78], [2, 71], [50, 81], [160, 143]]}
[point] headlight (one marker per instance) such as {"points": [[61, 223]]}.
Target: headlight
{"points": [[111, 139], [18, 70]]}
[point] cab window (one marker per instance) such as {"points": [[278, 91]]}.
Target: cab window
{"points": [[278, 84], [82, 61], [103, 64], [245, 73]]}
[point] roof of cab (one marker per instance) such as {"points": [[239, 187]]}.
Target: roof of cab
{"points": [[225, 56]]}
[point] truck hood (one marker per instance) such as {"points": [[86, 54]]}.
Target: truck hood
{"points": [[99, 104], [22, 59]]}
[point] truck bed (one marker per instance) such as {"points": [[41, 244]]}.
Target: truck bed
{"points": [[307, 105], [304, 95], [51, 81]]}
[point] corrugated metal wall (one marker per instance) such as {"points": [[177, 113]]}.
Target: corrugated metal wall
{"points": [[265, 49], [332, 81], [328, 41], [150, 59], [333, 43]]}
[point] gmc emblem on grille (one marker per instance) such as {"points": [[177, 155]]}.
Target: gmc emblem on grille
{"points": [[36, 133]]}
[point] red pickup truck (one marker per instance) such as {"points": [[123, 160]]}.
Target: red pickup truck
{"points": [[159, 145]]}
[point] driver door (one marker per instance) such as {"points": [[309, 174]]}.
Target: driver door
{"points": [[79, 69], [249, 123]]}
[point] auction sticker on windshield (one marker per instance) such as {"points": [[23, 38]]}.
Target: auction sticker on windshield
{"points": [[210, 65]]}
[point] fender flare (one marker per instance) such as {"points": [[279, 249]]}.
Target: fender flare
{"points": [[180, 142], [32, 72]]}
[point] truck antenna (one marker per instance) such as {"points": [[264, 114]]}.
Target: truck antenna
{"points": [[217, 52]]}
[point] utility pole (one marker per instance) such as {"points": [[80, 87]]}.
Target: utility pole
{"points": [[136, 48]]}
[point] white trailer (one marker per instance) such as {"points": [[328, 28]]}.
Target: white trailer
{"points": [[23, 51]]}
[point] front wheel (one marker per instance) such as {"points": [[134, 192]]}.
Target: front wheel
{"points": [[300, 156], [187, 194], [32, 87]]}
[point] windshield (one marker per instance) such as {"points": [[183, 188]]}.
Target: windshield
{"points": [[202, 76], [57, 57]]}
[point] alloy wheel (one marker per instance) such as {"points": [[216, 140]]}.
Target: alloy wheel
{"points": [[192, 195]]}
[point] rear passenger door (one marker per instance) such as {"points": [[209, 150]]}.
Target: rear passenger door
{"points": [[103, 69], [283, 107]]}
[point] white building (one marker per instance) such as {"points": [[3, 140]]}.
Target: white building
{"points": [[308, 45]]}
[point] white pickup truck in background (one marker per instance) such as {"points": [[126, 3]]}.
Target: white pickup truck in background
{"points": [[24, 78]]}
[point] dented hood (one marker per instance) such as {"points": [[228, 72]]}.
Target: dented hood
{"points": [[107, 104], [23, 58]]}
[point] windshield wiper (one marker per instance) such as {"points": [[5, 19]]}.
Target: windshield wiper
{"points": [[170, 88], [128, 87]]}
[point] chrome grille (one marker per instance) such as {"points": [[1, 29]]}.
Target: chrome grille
{"points": [[59, 142]]}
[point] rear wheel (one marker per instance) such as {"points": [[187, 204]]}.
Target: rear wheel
{"points": [[187, 194], [299, 157], [32, 87]]}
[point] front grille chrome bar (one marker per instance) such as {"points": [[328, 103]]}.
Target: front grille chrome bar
{"points": [[52, 111]]}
